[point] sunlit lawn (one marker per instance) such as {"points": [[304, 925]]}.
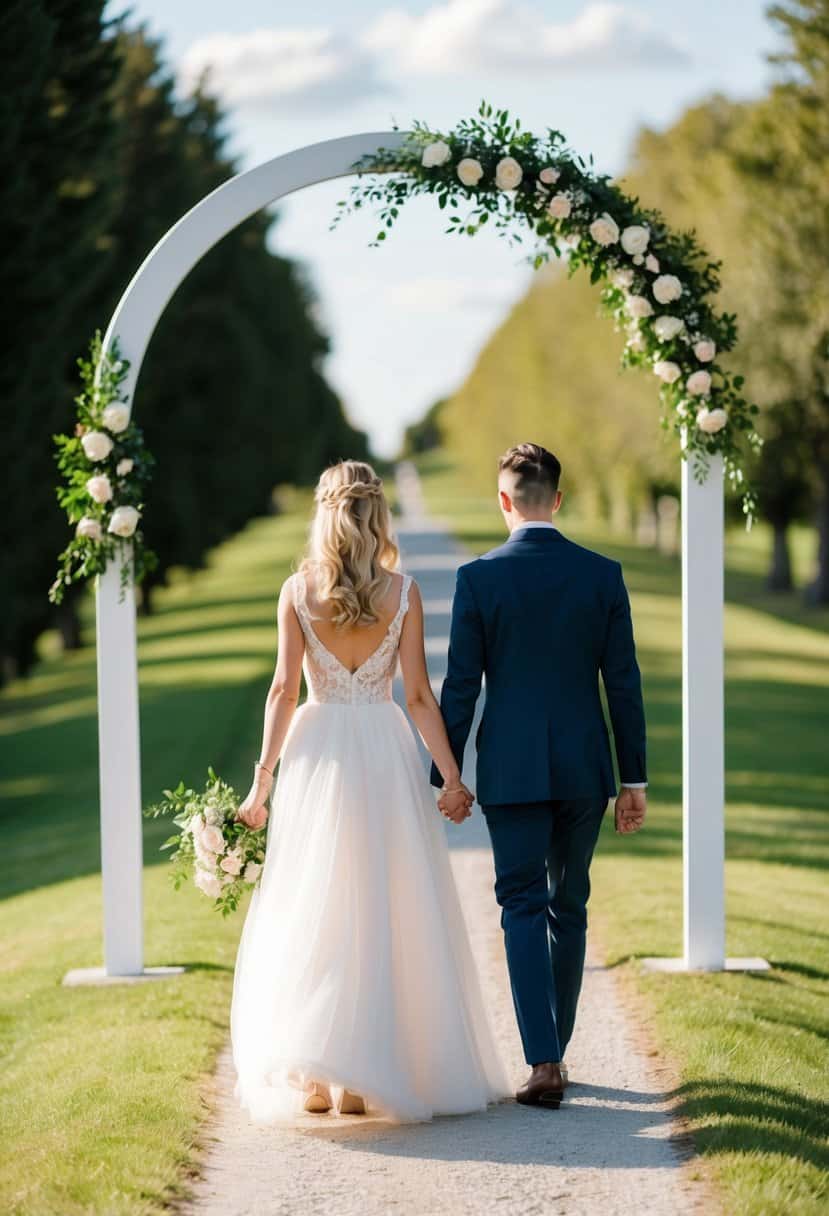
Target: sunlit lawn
{"points": [[101, 1088], [752, 1049]]}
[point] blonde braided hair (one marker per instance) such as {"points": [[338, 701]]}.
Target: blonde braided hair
{"points": [[351, 550]]}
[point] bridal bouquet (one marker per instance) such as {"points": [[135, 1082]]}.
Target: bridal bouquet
{"points": [[224, 856]]}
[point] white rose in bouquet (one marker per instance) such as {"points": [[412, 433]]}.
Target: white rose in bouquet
{"points": [[99, 488], [605, 230], [195, 825], [705, 350], [667, 327], [508, 173], [435, 154], [667, 288], [711, 421], [212, 814], [208, 883], [116, 417], [213, 839], [635, 239], [124, 521], [560, 206], [639, 307], [698, 384], [232, 863], [666, 371], [124, 466], [252, 871], [96, 445], [470, 171], [89, 527]]}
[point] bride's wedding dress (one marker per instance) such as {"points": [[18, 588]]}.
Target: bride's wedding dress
{"points": [[354, 966]]}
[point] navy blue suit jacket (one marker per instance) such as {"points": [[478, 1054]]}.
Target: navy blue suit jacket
{"points": [[539, 618]]}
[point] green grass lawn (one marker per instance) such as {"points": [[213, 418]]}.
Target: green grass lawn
{"points": [[751, 1049], [102, 1089]]}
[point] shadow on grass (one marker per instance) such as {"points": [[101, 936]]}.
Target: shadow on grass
{"points": [[770, 1120]]}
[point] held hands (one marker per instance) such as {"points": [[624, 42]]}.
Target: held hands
{"points": [[253, 812], [630, 810], [455, 802]]}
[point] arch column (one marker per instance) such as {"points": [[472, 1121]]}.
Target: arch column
{"points": [[132, 324]]}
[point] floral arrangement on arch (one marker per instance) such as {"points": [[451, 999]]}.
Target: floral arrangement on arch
{"points": [[658, 285], [106, 470]]}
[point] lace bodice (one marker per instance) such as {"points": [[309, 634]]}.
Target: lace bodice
{"points": [[328, 679]]}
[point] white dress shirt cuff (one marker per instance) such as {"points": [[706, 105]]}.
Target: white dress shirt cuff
{"points": [[634, 785]]}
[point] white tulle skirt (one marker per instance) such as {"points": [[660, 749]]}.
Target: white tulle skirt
{"points": [[354, 966]]}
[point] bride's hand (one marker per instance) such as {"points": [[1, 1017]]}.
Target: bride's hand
{"points": [[253, 812]]}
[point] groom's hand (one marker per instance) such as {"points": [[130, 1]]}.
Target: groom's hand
{"points": [[630, 810]]}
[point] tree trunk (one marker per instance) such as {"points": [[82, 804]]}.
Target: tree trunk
{"points": [[780, 570], [818, 593]]}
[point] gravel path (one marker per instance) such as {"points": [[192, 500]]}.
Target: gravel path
{"points": [[613, 1148]]}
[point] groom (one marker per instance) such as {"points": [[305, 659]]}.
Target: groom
{"points": [[540, 617]]}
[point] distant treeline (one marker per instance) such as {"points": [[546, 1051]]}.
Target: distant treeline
{"points": [[752, 178], [99, 155]]}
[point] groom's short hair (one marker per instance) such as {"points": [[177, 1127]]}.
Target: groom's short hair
{"points": [[536, 471]]}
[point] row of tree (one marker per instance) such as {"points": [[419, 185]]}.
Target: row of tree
{"points": [[752, 178], [98, 157]]}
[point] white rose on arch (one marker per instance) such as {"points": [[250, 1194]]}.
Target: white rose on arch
{"points": [[116, 417], [667, 372], [549, 175], [124, 521], [124, 466], [605, 230], [622, 278], [99, 488], [560, 206], [508, 173], [705, 350], [470, 171], [652, 264], [711, 421], [435, 154], [96, 445], [89, 527], [667, 327], [698, 384], [667, 288], [635, 239], [639, 307]]}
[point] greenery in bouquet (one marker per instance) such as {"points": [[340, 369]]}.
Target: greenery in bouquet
{"points": [[223, 855]]}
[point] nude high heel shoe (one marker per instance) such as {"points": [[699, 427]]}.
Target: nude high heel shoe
{"points": [[351, 1104], [317, 1100]]}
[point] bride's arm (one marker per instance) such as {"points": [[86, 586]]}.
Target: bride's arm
{"points": [[420, 700], [281, 701]]}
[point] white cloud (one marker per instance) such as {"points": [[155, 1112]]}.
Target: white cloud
{"points": [[507, 36], [434, 293], [286, 68], [314, 68]]}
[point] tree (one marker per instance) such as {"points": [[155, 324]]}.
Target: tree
{"points": [[56, 142]]}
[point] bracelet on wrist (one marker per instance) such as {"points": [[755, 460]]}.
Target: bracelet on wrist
{"points": [[258, 764]]}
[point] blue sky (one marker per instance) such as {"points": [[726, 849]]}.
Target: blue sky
{"points": [[407, 320]]}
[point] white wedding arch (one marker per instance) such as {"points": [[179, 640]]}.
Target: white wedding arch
{"points": [[131, 327]]}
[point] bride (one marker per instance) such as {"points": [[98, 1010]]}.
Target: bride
{"points": [[354, 981]]}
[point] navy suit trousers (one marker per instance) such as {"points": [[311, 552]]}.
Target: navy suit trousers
{"points": [[542, 856]]}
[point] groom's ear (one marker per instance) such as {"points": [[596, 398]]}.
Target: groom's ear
{"points": [[557, 502], [505, 501]]}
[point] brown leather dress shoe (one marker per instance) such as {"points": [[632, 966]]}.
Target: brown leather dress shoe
{"points": [[544, 1087]]}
